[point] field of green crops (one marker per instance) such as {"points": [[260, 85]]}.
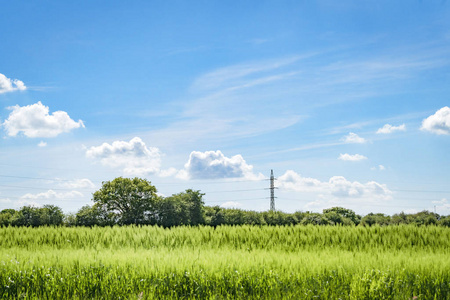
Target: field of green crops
{"points": [[298, 262]]}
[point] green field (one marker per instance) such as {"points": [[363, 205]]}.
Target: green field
{"points": [[248, 262]]}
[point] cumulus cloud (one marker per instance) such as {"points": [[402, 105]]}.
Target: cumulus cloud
{"points": [[388, 128], [349, 157], [42, 144], [353, 138], [214, 165], [439, 123], [10, 85], [337, 186], [231, 204], [133, 157], [35, 121]]}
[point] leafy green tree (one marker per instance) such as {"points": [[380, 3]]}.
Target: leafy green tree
{"points": [[314, 219], [214, 216], [423, 218], [133, 200], [299, 215], [254, 218], [51, 215], [400, 218], [372, 219], [234, 216], [343, 212], [27, 216], [6, 216], [194, 205], [172, 211], [95, 215], [277, 218], [444, 221], [184, 208]]}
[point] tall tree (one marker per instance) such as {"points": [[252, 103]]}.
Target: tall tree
{"points": [[133, 200]]}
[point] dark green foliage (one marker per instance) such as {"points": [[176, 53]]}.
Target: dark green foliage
{"points": [[6, 217], [214, 215], [372, 219], [444, 221], [52, 215], [95, 215], [28, 216], [132, 200], [315, 219], [340, 215]]}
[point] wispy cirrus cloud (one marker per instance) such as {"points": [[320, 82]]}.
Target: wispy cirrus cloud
{"points": [[240, 74]]}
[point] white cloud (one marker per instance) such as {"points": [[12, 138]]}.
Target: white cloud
{"points": [[293, 181], [5, 200], [349, 157], [83, 183], [24, 202], [231, 204], [439, 123], [353, 138], [35, 121], [42, 144], [10, 85], [133, 157], [337, 186], [380, 168], [168, 172], [213, 165], [442, 205], [51, 194], [232, 75], [388, 128]]}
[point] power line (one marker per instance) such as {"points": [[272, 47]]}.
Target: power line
{"points": [[234, 191]]}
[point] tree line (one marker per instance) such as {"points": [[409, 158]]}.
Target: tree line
{"points": [[125, 201]]}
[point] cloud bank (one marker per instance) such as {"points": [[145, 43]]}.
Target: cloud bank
{"points": [[133, 157], [51, 194], [10, 85], [439, 123], [337, 186], [35, 121]]}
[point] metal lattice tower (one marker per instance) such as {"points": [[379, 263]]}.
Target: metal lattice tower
{"points": [[272, 191]]}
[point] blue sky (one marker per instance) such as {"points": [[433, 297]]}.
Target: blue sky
{"points": [[348, 102]]}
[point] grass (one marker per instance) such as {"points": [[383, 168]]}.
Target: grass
{"points": [[298, 262]]}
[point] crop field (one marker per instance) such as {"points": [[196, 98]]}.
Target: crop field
{"points": [[246, 262]]}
